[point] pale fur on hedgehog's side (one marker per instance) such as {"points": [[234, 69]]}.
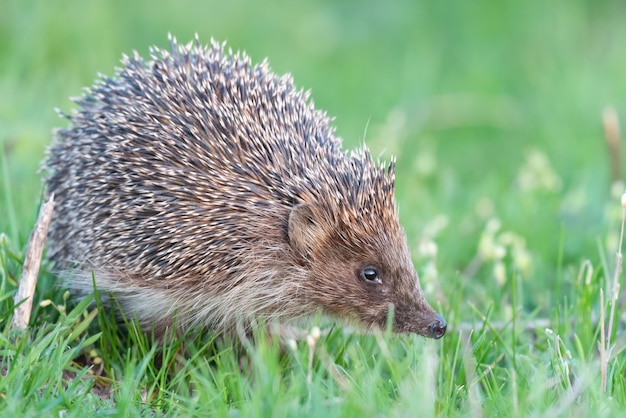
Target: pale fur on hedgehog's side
{"points": [[199, 186]]}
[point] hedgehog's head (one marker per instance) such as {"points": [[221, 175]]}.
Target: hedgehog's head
{"points": [[356, 253]]}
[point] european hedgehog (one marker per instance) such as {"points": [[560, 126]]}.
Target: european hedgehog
{"points": [[200, 187]]}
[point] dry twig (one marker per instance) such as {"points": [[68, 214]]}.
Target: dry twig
{"points": [[32, 262], [612, 136]]}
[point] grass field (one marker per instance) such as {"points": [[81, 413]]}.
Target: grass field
{"points": [[506, 187]]}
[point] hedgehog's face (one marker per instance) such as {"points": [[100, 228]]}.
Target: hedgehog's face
{"points": [[362, 275]]}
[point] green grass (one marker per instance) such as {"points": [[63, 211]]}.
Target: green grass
{"points": [[503, 183]]}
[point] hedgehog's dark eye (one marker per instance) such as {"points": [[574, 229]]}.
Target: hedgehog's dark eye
{"points": [[371, 276]]}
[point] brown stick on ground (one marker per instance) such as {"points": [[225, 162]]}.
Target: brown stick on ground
{"points": [[612, 136], [32, 261]]}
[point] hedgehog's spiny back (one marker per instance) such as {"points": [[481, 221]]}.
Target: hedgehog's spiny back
{"points": [[198, 135]]}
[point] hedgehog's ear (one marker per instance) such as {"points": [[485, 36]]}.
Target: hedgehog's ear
{"points": [[305, 228]]}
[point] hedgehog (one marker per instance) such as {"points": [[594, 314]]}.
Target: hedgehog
{"points": [[201, 191]]}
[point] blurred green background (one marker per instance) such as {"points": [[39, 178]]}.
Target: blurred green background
{"points": [[493, 109]]}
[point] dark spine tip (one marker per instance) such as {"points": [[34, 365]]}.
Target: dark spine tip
{"points": [[438, 328]]}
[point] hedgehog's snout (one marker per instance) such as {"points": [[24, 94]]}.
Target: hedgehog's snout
{"points": [[438, 328]]}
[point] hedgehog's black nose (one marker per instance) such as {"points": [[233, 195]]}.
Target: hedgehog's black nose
{"points": [[437, 328]]}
